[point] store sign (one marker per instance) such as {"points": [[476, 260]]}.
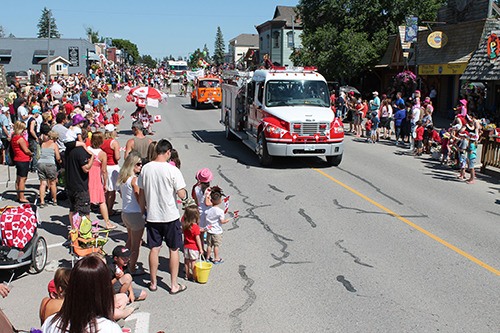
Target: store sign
{"points": [[492, 47], [437, 39], [442, 69], [74, 56]]}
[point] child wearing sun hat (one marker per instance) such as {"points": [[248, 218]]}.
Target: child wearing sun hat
{"points": [[201, 194]]}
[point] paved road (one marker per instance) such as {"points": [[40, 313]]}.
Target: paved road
{"points": [[384, 243]]}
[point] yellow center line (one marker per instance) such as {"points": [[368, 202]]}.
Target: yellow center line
{"points": [[413, 225]]}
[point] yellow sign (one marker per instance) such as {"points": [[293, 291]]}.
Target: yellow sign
{"points": [[437, 39], [442, 69]]}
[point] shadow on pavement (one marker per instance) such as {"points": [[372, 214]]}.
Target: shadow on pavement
{"points": [[238, 151]]}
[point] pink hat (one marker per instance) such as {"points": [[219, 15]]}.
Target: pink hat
{"points": [[204, 175], [463, 102], [427, 99]]}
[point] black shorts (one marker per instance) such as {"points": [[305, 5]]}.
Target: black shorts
{"points": [[418, 144], [79, 202], [22, 168], [170, 232]]}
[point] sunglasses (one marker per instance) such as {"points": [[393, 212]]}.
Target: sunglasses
{"points": [[138, 164]]}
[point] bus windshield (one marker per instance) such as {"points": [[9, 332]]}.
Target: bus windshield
{"points": [[296, 92]]}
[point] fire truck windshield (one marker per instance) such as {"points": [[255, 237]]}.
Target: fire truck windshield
{"points": [[296, 92]]}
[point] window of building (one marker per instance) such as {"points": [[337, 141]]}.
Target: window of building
{"points": [[58, 68], [289, 39], [276, 39]]}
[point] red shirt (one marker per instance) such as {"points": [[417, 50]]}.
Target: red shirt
{"points": [[420, 133], [190, 237], [116, 119], [19, 154], [68, 107], [110, 153], [368, 125], [434, 136]]}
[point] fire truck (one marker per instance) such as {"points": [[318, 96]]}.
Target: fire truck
{"points": [[282, 112]]}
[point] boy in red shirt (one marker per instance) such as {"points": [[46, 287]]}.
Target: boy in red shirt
{"points": [[419, 138]]}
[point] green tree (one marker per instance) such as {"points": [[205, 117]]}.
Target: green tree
{"points": [[194, 58], [45, 21], [219, 49], [148, 61], [206, 53], [345, 37], [129, 47], [94, 35]]}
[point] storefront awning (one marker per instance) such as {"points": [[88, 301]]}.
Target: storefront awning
{"points": [[5, 53]]}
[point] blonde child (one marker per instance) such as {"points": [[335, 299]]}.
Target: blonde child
{"points": [[215, 220], [192, 241]]}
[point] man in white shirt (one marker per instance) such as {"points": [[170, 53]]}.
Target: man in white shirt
{"points": [[160, 183], [22, 112]]}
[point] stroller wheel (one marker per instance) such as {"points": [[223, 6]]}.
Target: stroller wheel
{"points": [[38, 255]]}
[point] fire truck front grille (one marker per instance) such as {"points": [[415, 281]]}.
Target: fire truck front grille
{"points": [[306, 129]]}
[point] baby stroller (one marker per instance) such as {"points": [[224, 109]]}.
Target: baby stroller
{"points": [[87, 237], [20, 243]]}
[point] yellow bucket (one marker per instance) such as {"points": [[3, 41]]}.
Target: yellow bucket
{"points": [[202, 271]]}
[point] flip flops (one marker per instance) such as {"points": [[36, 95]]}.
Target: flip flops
{"points": [[181, 289], [151, 288]]}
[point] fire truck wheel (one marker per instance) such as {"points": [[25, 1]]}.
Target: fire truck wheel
{"points": [[264, 158], [334, 160]]}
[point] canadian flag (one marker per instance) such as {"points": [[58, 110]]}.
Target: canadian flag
{"points": [[226, 204]]}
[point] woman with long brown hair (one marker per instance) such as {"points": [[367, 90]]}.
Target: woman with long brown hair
{"points": [[88, 303]]}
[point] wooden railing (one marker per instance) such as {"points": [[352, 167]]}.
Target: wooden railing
{"points": [[490, 157]]}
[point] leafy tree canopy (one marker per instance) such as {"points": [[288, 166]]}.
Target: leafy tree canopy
{"points": [[47, 23], [94, 35], [148, 61], [344, 37], [129, 47]]}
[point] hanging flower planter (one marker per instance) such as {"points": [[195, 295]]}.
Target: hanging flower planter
{"points": [[406, 82]]}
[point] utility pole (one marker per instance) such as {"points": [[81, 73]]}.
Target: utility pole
{"points": [[48, 49]]}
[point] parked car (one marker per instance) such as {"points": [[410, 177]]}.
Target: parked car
{"points": [[19, 76]]}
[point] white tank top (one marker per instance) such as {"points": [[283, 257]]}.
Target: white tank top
{"points": [[129, 202]]}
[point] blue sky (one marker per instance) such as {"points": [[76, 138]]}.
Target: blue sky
{"points": [[158, 27]]}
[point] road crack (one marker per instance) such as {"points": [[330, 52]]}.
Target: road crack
{"points": [[372, 185], [251, 296], [309, 220], [280, 239], [357, 260]]}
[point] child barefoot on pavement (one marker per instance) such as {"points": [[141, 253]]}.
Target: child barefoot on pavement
{"points": [[215, 220], [192, 241]]}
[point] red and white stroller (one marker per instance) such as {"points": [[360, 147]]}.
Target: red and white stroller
{"points": [[20, 243]]}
